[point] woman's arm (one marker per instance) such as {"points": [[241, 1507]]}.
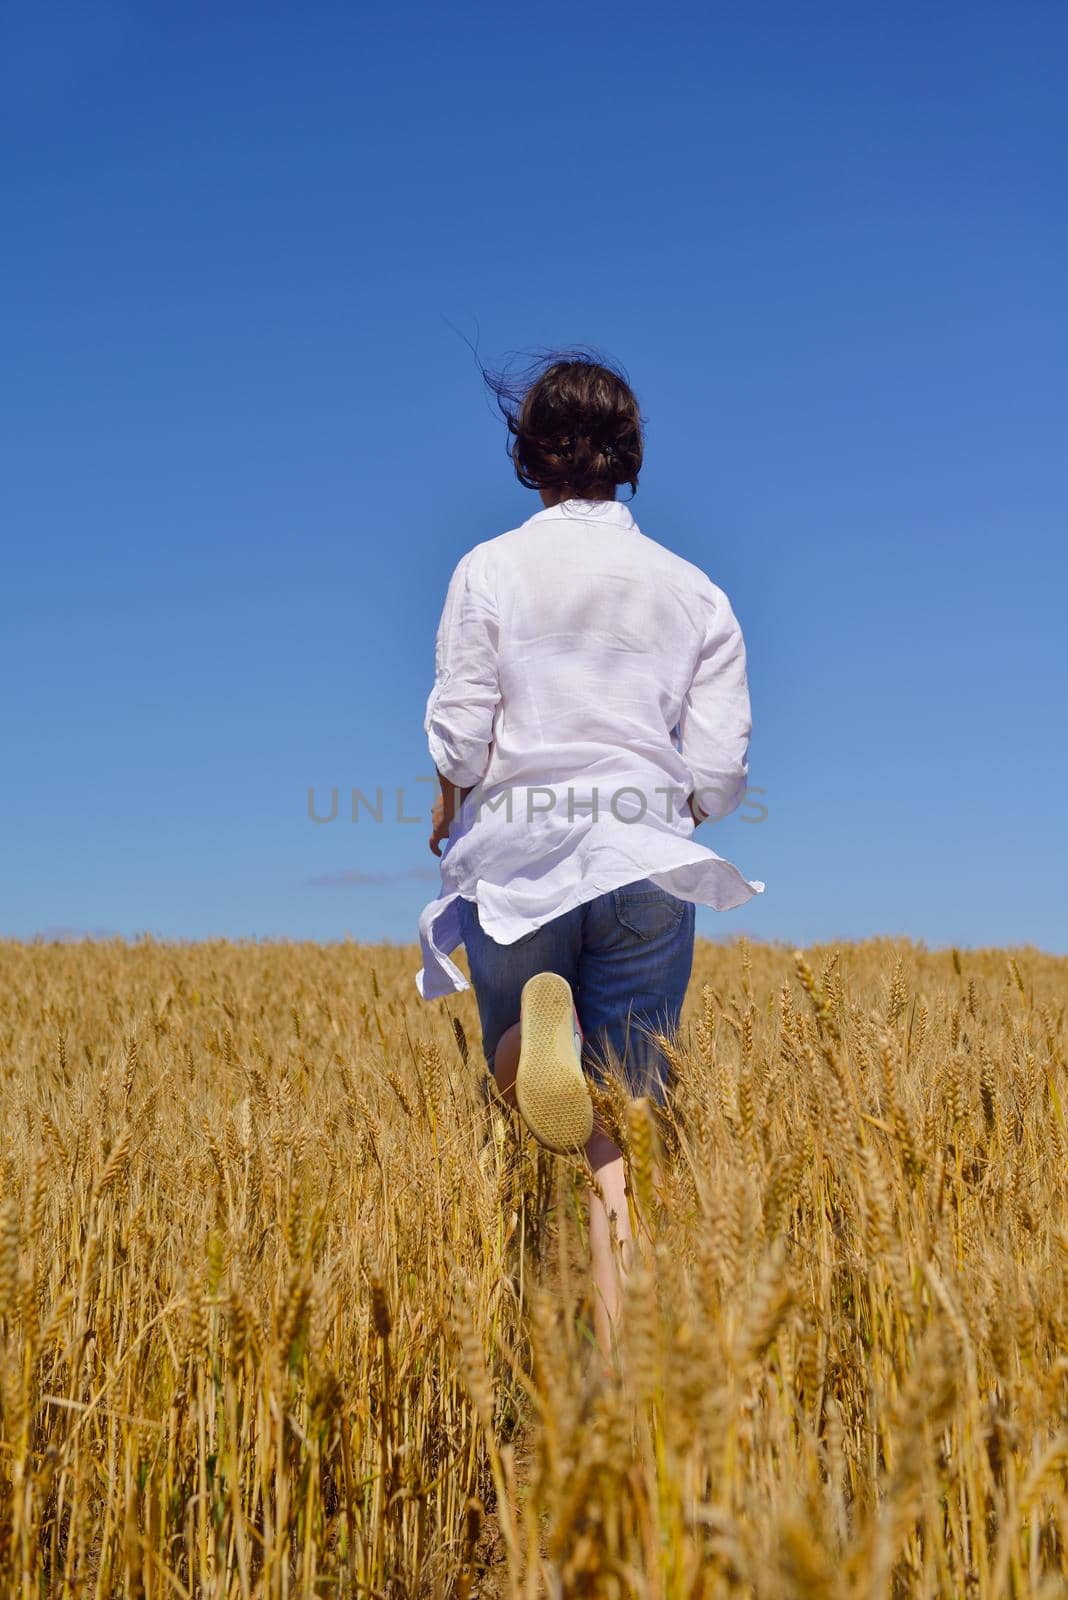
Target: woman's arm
{"points": [[463, 702], [466, 692], [715, 724]]}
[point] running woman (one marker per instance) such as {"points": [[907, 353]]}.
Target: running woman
{"points": [[589, 710]]}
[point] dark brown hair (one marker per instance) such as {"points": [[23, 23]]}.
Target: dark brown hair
{"points": [[573, 423]]}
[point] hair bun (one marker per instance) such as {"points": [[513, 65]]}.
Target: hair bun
{"points": [[573, 424]]}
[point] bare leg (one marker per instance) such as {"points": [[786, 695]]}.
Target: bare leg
{"points": [[506, 1062], [608, 1200], [608, 1205]]}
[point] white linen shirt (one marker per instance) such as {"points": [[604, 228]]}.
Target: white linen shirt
{"points": [[587, 681]]}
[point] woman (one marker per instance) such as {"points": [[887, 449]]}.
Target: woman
{"points": [[589, 710]]}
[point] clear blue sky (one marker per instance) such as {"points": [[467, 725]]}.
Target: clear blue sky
{"points": [[243, 448]]}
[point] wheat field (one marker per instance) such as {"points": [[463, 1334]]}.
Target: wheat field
{"points": [[290, 1306]]}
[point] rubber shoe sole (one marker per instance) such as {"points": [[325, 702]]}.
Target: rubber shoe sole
{"points": [[550, 1086]]}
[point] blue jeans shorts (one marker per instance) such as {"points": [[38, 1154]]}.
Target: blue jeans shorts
{"points": [[627, 956]]}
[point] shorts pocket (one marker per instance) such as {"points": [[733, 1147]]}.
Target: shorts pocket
{"points": [[647, 910], [471, 929]]}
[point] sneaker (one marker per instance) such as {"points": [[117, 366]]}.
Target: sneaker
{"points": [[550, 1085]]}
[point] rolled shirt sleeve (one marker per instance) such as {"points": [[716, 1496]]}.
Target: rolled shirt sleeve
{"points": [[715, 723], [466, 692]]}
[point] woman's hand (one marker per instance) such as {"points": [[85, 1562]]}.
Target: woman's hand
{"points": [[695, 811], [439, 826], [446, 806]]}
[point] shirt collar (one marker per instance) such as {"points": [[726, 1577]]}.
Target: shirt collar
{"points": [[613, 511]]}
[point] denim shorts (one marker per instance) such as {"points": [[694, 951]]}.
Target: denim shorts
{"points": [[627, 956]]}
